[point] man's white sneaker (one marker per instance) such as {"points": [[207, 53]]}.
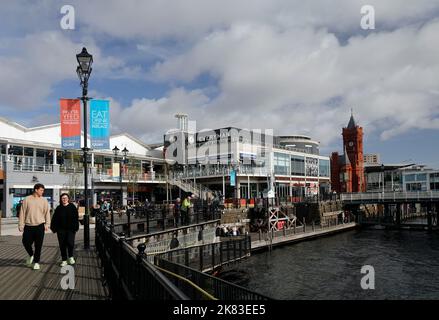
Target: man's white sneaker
{"points": [[36, 266], [29, 261], [63, 264], [71, 260]]}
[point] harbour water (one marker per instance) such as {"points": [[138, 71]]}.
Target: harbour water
{"points": [[406, 265]]}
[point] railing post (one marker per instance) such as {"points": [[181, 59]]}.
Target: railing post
{"points": [[129, 222], [304, 224], [164, 218], [119, 265], [221, 252], [213, 256], [147, 220], [138, 284], [186, 257], [201, 257]]}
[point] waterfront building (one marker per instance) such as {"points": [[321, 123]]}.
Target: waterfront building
{"points": [[371, 159], [34, 155], [245, 164], [401, 178]]}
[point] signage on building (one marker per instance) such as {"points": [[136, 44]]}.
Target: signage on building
{"points": [[233, 178], [70, 114], [100, 124]]}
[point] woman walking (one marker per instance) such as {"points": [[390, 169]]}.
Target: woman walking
{"points": [[65, 223]]}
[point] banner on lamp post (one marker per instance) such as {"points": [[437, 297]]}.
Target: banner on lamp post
{"points": [[116, 171], [70, 115], [100, 124], [233, 178]]}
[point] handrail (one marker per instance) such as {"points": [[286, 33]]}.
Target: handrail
{"points": [[203, 292], [172, 230], [124, 275]]}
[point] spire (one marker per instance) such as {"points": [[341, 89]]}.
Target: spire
{"points": [[352, 124]]}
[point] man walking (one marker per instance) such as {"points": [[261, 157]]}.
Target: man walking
{"points": [[34, 220]]}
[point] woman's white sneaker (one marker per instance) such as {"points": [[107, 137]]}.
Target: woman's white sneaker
{"points": [[71, 260], [36, 266], [63, 264]]}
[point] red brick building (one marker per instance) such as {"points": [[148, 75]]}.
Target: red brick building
{"points": [[347, 170]]}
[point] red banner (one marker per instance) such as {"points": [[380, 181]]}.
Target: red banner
{"points": [[70, 113]]}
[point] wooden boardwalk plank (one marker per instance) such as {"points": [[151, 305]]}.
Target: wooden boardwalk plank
{"points": [[18, 282]]}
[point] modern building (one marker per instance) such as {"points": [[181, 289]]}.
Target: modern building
{"points": [[347, 170], [34, 155], [246, 164], [401, 178], [371, 159]]}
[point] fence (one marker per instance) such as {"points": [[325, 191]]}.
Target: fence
{"points": [[127, 274]]}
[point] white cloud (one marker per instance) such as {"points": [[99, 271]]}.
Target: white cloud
{"points": [[291, 65]]}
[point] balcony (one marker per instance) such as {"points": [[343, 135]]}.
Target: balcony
{"points": [[216, 171]]}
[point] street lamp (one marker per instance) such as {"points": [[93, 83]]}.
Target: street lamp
{"points": [[85, 60], [122, 161]]}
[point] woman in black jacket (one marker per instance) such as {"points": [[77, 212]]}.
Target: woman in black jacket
{"points": [[65, 223]]}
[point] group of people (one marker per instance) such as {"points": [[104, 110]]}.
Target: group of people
{"points": [[181, 211], [35, 220]]}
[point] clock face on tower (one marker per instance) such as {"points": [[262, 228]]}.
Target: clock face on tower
{"points": [[351, 144]]}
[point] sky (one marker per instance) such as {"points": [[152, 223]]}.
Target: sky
{"points": [[294, 66]]}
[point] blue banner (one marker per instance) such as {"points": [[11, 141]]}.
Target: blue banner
{"points": [[233, 178], [100, 124]]}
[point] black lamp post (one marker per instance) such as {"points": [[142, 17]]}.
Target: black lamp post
{"points": [[122, 161], [85, 60]]}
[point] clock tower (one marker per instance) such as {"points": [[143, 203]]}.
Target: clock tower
{"points": [[353, 146]]}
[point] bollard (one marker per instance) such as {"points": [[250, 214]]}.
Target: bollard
{"points": [[313, 226], [260, 234], [304, 224]]}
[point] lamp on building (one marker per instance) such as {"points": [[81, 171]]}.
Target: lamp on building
{"points": [[85, 61]]}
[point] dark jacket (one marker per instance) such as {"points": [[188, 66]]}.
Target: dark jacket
{"points": [[65, 218]]}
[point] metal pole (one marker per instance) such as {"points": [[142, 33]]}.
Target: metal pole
{"points": [[85, 154]]}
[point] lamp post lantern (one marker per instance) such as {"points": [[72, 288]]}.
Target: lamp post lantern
{"points": [[121, 161], [85, 61]]}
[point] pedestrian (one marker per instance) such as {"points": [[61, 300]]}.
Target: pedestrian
{"points": [[185, 210], [34, 220], [18, 208], [65, 223], [177, 211]]}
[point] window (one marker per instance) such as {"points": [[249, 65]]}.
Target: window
{"points": [[297, 166], [410, 178], [418, 186], [434, 186], [324, 168], [281, 163], [421, 177], [29, 152]]}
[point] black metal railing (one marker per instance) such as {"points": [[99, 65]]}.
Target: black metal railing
{"points": [[140, 220], [207, 257], [216, 287], [128, 274]]}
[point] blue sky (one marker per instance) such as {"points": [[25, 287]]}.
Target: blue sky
{"points": [[297, 67]]}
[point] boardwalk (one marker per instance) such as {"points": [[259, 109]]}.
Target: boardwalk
{"points": [[17, 282]]}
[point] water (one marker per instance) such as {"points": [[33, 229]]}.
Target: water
{"points": [[406, 267]]}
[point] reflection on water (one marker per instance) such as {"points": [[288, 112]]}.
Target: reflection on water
{"points": [[406, 267]]}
